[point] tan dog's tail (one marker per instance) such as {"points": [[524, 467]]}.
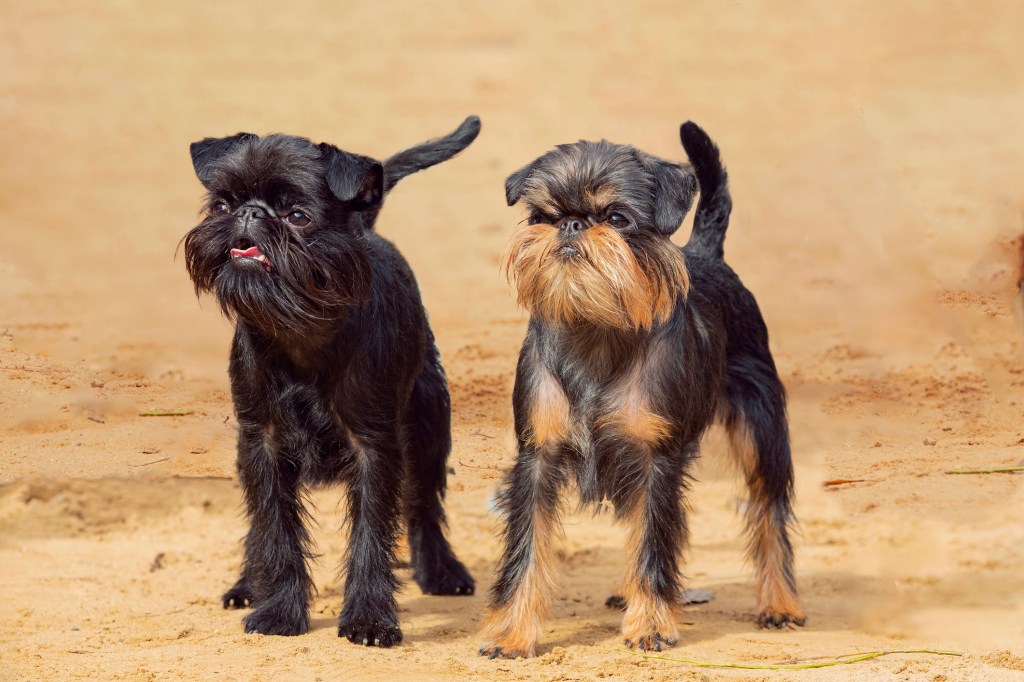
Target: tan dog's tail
{"points": [[712, 217]]}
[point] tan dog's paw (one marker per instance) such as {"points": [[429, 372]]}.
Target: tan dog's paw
{"points": [[653, 642], [777, 618], [493, 651]]}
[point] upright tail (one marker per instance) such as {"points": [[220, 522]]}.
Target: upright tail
{"points": [[430, 153], [712, 217]]}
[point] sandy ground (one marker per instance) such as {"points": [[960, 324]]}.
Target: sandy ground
{"points": [[876, 165]]}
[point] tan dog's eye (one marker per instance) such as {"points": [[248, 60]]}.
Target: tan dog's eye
{"points": [[298, 219], [618, 220]]}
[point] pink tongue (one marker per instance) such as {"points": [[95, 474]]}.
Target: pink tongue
{"points": [[251, 252]]}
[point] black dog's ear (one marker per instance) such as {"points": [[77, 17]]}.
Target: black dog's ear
{"points": [[207, 151], [675, 186], [354, 179], [516, 183]]}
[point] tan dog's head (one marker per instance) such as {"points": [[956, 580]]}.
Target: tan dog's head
{"points": [[595, 248]]}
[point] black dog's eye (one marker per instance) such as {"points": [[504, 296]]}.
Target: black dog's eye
{"points": [[298, 219], [618, 220], [220, 206]]}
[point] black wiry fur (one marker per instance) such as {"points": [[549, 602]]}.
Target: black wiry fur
{"points": [[334, 374], [710, 360]]}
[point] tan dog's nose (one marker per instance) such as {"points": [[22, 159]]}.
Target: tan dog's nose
{"points": [[570, 227]]}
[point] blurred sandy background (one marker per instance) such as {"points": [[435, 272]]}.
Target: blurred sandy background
{"points": [[875, 154]]}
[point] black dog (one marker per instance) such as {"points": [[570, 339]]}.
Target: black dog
{"points": [[634, 347], [334, 372]]}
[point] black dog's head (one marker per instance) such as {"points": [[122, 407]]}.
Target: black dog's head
{"points": [[596, 246], [280, 244], [282, 241]]}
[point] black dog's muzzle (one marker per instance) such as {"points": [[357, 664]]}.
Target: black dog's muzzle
{"points": [[253, 210]]}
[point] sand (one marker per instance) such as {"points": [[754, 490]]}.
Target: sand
{"points": [[876, 164]]}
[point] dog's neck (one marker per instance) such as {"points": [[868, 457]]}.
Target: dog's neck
{"points": [[604, 351], [302, 349]]}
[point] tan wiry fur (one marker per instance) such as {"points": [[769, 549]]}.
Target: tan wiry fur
{"points": [[605, 285], [515, 627], [775, 595], [648, 618]]}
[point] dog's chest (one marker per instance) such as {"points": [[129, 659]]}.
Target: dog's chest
{"points": [[582, 412]]}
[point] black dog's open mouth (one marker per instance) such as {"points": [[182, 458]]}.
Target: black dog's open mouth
{"points": [[252, 253]]}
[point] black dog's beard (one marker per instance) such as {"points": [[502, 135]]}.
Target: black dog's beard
{"points": [[309, 285]]}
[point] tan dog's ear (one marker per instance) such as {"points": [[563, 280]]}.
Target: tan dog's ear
{"points": [[675, 186]]}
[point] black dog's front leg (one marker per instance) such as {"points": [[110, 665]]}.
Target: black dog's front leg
{"points": [[369, 615], [274, 575]]}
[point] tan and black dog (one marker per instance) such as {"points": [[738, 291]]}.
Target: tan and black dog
{"points": [[635, 347]]}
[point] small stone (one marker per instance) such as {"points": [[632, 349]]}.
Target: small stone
{"points": [[96, 383], [930, 441]]}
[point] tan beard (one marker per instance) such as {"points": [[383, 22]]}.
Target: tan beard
{"points": [[605, 284]]}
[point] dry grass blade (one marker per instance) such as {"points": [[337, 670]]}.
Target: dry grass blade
{"points": [[165, 413], [845, 659], [998, 470], [842, 481]]}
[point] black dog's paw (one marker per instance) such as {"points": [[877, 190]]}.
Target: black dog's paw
{"points": [[238, 597], [450, 578], [265, 621], [369, 633], [616, 601]]}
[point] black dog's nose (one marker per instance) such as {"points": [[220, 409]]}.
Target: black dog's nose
{"points": [[249, 212], [571, 226]]}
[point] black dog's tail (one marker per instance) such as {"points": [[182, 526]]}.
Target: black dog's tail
{"points": [[712, 217], [430, 153]]}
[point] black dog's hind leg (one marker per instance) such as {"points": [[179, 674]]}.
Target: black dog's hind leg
{"points": [[759, 436], [369, 615], [274, 574], [427, 445]]}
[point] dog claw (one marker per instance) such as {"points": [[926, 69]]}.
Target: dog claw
{"points": [[451, 579], [371, 634], [769, 620], [495, 652], [270, 623], [237, 597], [655, 642]]}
